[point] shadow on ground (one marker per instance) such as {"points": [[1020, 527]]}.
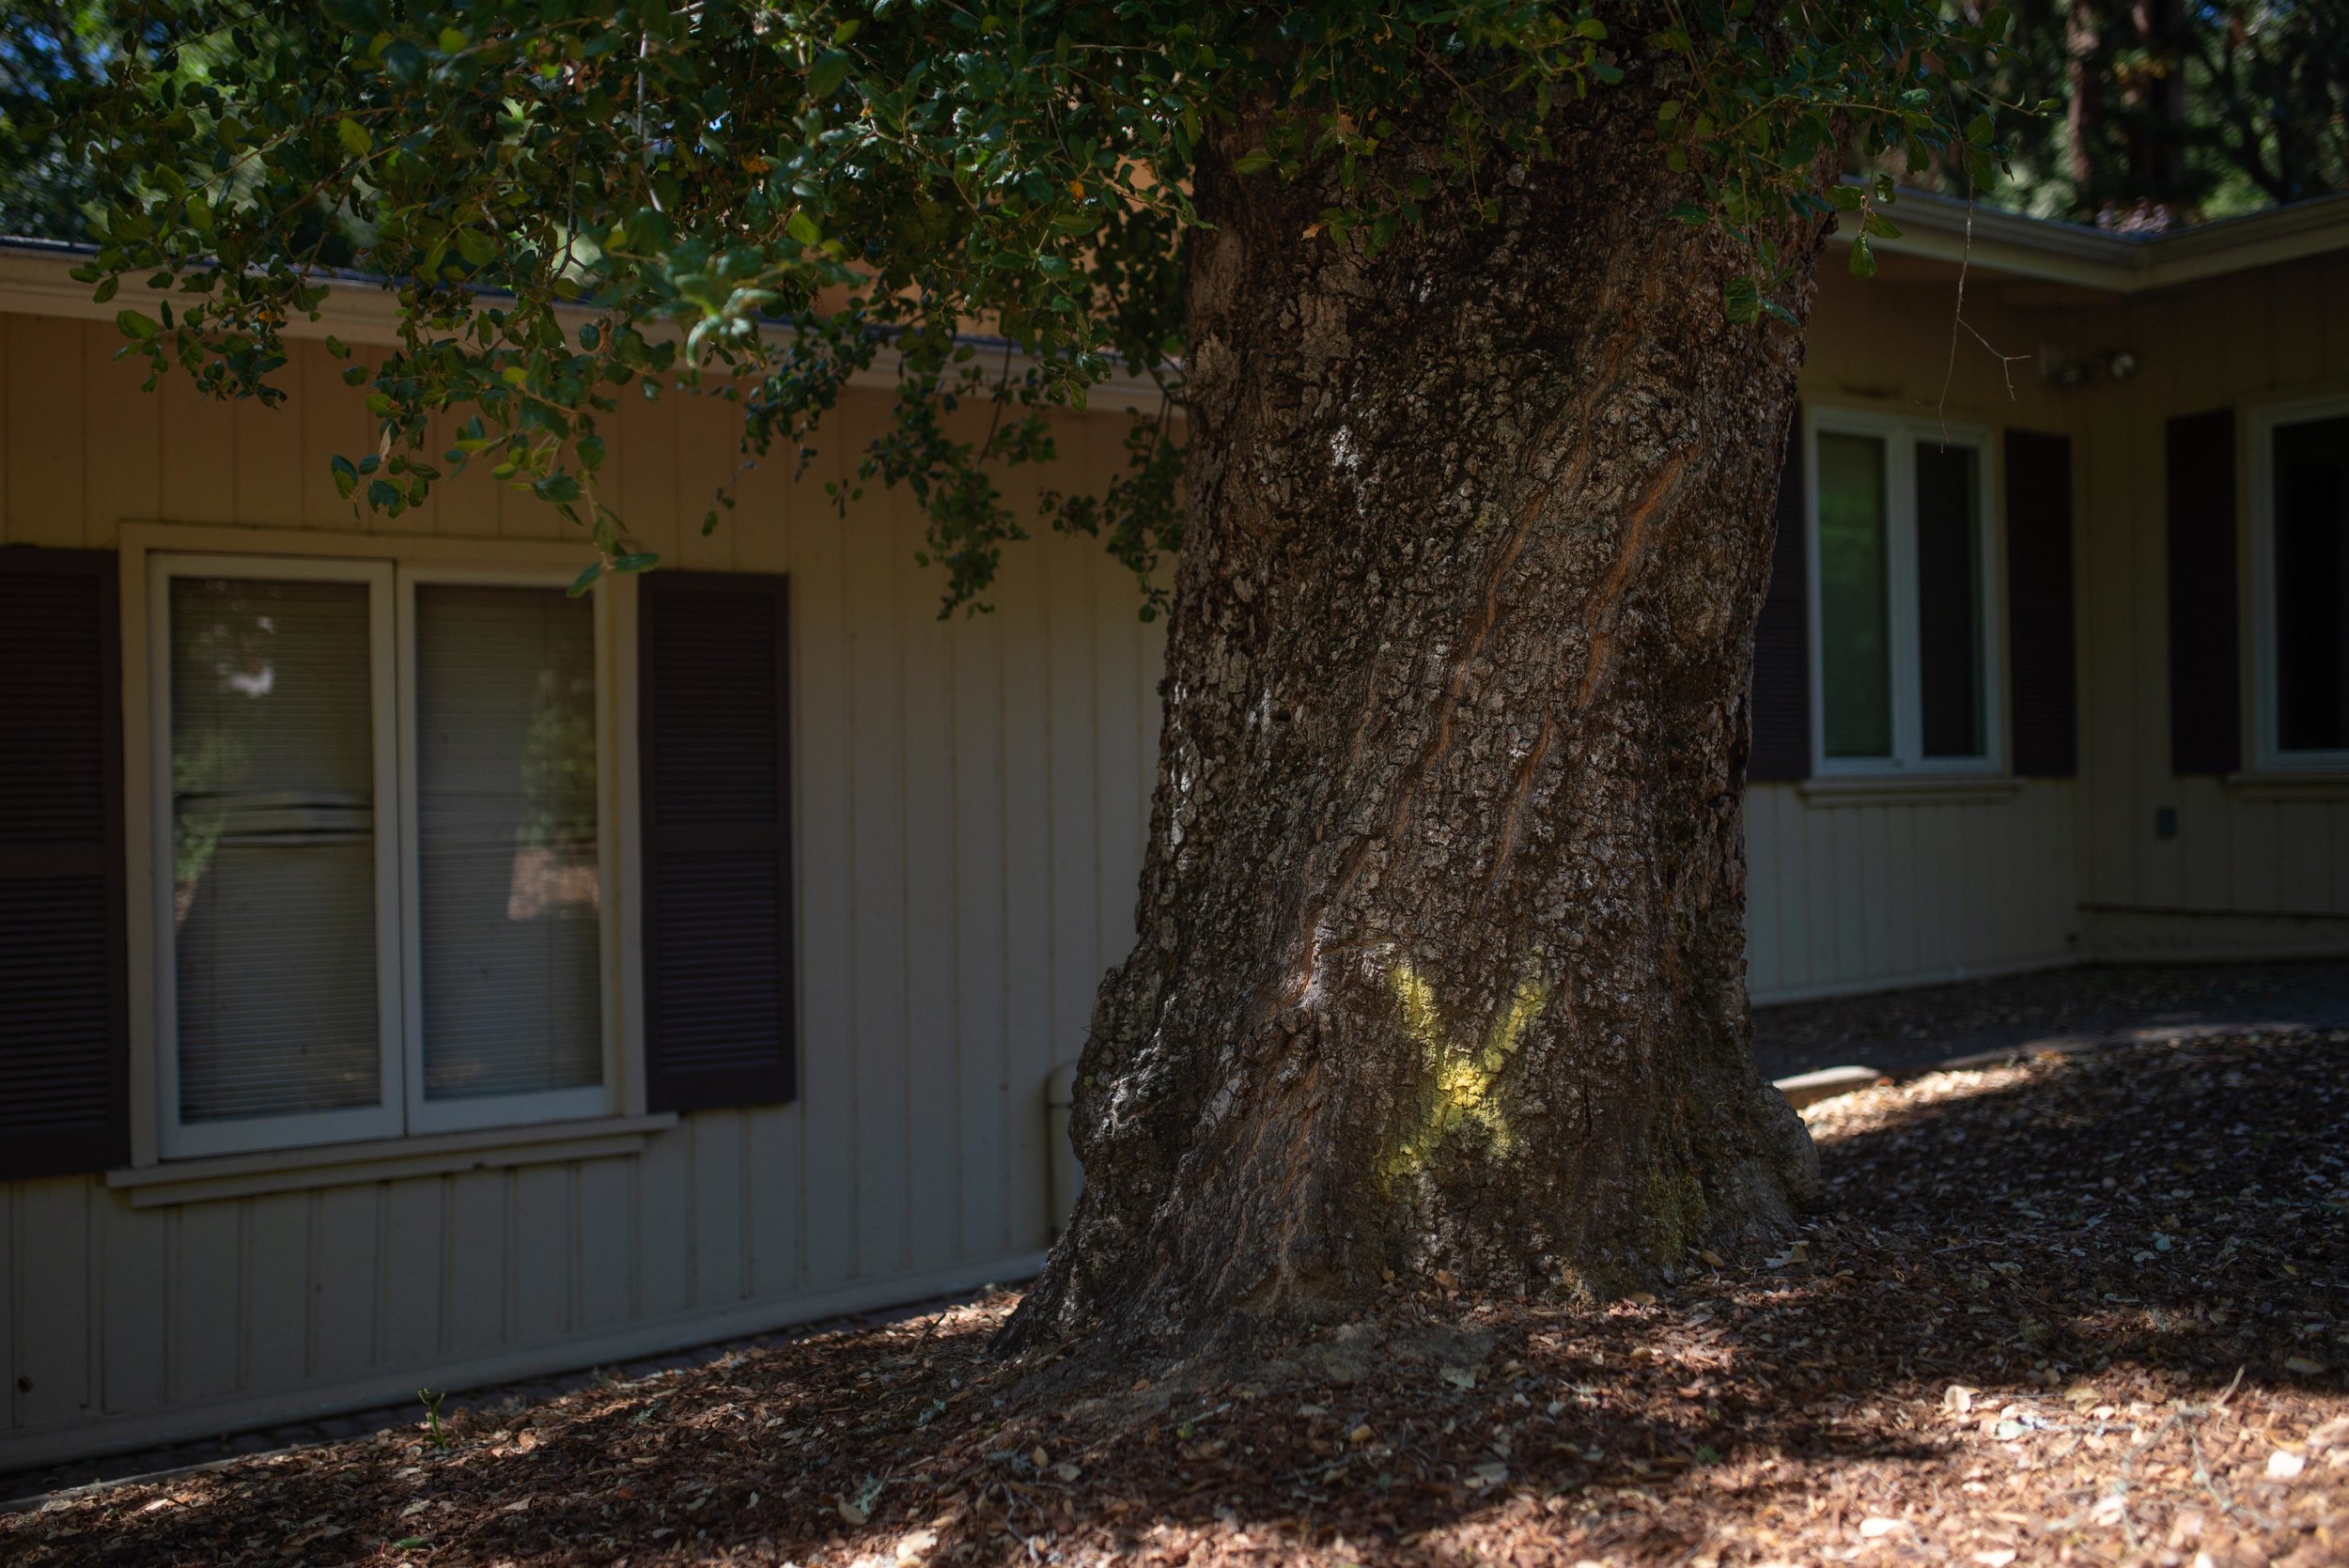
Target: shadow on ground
{"points": [[2063, 1309]]}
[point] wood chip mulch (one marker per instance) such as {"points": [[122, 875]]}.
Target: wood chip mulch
{"points": [[2085, 1310]]}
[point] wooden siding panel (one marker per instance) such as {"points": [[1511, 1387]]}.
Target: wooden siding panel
{"points": [[771, 1188], [820, 707], [606, 1242], [124, 472], [664, 1233], [277, 1272], [44, 497], [876, 895], [345, 1292], [544, 1246], [477, 1263], [976, 676], [207, 1321], [57, 1319], [1029, 828], [413, 1309], [933, 1111], [719, 1215], [133, 1342]]}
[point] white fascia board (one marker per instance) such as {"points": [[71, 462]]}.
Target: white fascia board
{"points": [[2006, 242], [36, 279]]}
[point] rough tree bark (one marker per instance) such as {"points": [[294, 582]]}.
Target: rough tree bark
{"points": [[1441, 961]]}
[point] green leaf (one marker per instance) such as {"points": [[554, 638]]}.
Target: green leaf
{"points": [[636, 560], [585, 580], [1844, 198], [345, 476], [830, 69], [803, 228], [1880, 226], [104, 291], [1863, 259], [1741, 300], [1249, 162], [354, 137], [137, 324]]}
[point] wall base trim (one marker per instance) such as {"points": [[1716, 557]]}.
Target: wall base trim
{"points": [[1950, 974], [190, 1423]]}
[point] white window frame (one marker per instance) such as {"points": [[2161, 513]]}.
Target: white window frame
{"points": [[2269, 755], [402, 1109], [1900, 437]]}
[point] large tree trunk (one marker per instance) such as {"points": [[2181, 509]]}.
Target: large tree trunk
{"points": [[1441, 961]]}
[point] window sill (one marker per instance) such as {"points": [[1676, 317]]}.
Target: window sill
{"points": [[195, 1181], [1899, 789], [2283, 784]]}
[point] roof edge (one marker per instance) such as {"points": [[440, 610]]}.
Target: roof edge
{"points": [[1947, 229], [36, 279]]}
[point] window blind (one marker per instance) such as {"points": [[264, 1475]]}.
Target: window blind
{"points": [[1854, 619], [506, 841], [272, 746]]}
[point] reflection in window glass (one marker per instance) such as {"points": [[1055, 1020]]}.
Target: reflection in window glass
{"points": [[273, 778], [1949, 600], [1854, 625], [2312, 586], [506, 825]]}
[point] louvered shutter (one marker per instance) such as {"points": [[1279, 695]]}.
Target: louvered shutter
{"points": [[64, 1000], [2040, 646], [714, 727], [2206, 690], [1781, 637]]}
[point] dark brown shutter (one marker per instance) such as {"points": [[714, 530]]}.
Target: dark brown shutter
{"points": [[2040, 650], [64, 996], [1781, 637], [714, 727], [2206, 690]]}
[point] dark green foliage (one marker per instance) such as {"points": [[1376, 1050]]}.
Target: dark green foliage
{"points": [[2172, 111], [587, 200]]}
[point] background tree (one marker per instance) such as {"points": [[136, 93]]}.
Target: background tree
{"points": [[1483, 316], [2174, 112]]}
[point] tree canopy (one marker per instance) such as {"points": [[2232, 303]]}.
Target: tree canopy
{"points": [[2174, 112], [580, 201]]}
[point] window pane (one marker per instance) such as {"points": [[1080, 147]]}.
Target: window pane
{"points": [[1949, 600], [1854, 638], [273, 776], [2312, 586], [505, 831]]}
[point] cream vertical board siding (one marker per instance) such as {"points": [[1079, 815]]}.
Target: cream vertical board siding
{"points": [[970, 797], [2256, 866]]}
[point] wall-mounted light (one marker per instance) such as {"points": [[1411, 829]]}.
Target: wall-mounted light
{"points": [[2104, 364]]}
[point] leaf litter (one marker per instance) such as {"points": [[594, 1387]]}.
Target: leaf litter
{"points": [[1973, 1354]]}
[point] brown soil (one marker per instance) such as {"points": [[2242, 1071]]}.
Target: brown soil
{"points": [[2085, 1310]]}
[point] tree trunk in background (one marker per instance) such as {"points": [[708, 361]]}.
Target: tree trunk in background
{"points": [[1442, 961]]}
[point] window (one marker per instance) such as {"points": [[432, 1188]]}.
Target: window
{"points": [[384, 900], [1902, 559], [2301, 497]]}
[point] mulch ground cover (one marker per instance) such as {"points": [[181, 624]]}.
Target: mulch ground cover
{"points": [[2087, 1309]]}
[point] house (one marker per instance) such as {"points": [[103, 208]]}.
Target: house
{"points": [[411, 975]]}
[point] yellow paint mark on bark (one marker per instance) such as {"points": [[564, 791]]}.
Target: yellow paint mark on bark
{"points": [[1458, 1090]]}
